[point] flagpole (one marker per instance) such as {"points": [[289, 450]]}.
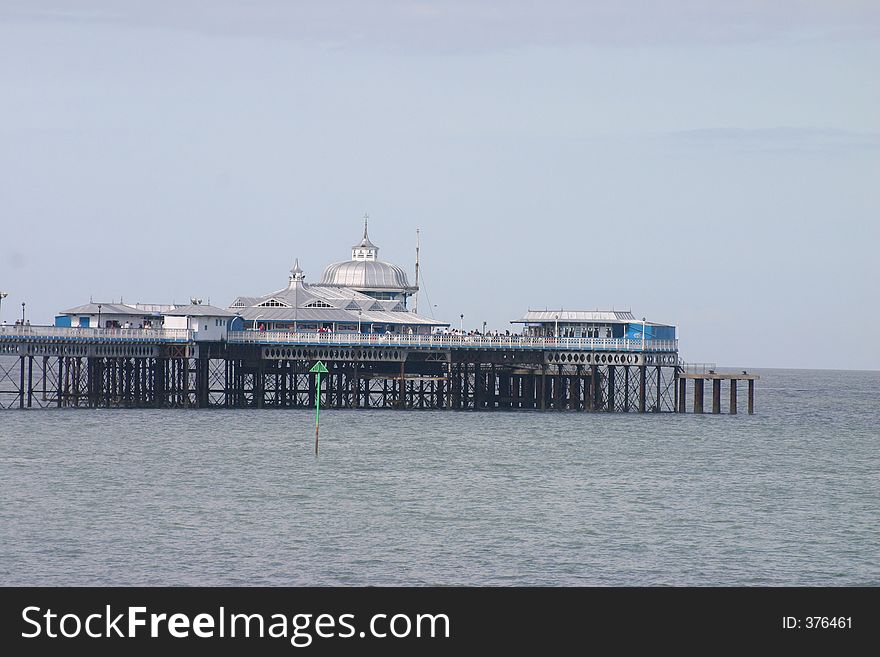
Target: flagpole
{"points": [[317, 410], [317, 369]]}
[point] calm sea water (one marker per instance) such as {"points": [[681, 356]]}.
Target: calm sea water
{"points": [[154, 497]]}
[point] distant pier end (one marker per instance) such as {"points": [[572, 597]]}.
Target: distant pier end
{"points": [[700, 373]]}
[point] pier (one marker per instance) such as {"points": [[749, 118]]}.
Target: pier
{"points": [[378, 353], [44, 366], [700, 374]]}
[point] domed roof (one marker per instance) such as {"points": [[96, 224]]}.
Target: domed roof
{"points": [[366, 274]]}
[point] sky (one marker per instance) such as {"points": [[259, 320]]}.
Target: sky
{"points": [[712, 165]]}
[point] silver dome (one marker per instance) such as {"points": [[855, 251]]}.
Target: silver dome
{"points": [[366, 274]]}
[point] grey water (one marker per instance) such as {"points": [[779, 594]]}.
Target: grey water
{"points": [[789, 496]]}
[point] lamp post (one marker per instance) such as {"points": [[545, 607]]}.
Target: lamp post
{"points": [[643, 333], [255, 320], [461, 325], [556, 326], [3, 295], [22, 313], [360, 313], [99, 316], [484, 329]]}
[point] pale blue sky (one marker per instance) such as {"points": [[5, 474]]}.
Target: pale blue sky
{"points": [[711, 165]]}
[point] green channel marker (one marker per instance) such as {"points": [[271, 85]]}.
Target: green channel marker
{"points": [[317, 369]]}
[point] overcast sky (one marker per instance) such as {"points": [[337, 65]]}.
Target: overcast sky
{"points": [[715, 165]]}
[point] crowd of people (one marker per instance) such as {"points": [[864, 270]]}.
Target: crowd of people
{"points": [[474, 334], [19, 322]]}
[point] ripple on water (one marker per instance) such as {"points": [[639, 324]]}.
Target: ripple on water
{"points": [[120, 497]]}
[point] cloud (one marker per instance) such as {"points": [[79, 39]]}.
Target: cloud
{"points": [[778, 139], [480, 25]]}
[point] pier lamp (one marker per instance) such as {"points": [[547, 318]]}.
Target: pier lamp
{"points": [[3, 295], [99, 315], [22, 313], [556, 326], [484, 328], [360, 313], [461, 325]]}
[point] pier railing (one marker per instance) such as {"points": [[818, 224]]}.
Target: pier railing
{"points": [[698, 368], [451, 341], [48, 333], [434, 341]]}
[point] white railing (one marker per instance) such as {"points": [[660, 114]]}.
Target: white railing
{"points": [[698, 368], [97, 334], [458, 341], [346, 339]]}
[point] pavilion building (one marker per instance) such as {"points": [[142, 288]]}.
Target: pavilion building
{"points": [[592, 324], [361, 295]]}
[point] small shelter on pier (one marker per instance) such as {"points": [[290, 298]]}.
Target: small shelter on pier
{"points": [[112, 315], [592, 324], [208, 323]]}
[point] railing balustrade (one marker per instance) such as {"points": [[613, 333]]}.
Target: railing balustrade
{"points": [[445, 340], [438, 341], [97, 334]]}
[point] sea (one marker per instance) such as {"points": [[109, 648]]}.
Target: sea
{"points": [[788, 496]]}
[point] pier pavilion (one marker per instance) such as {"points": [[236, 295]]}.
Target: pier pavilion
{"points": [[366, 274], [617, 324], [336, 308]]}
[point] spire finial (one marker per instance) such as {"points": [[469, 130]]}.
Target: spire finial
{"points": [[296, 274], [365, 249]]}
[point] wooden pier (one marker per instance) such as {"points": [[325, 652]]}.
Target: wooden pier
{"points": [[700, 378], [146, 369]]}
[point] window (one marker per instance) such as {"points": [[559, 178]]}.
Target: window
{"points": [[273, 303]]}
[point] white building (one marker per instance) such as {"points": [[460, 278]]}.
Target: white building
{"points": [[208, 323]]}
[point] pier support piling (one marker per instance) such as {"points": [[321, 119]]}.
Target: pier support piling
{"points": [[698, 395], [643, 387]]}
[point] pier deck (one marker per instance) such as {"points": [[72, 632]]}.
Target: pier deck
{"points": [[91, 367]]}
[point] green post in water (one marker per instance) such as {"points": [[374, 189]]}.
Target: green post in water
{"points": [[317, 369]]}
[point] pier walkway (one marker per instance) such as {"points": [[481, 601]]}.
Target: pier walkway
{"points": [[289, 338], [43, 366]]}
